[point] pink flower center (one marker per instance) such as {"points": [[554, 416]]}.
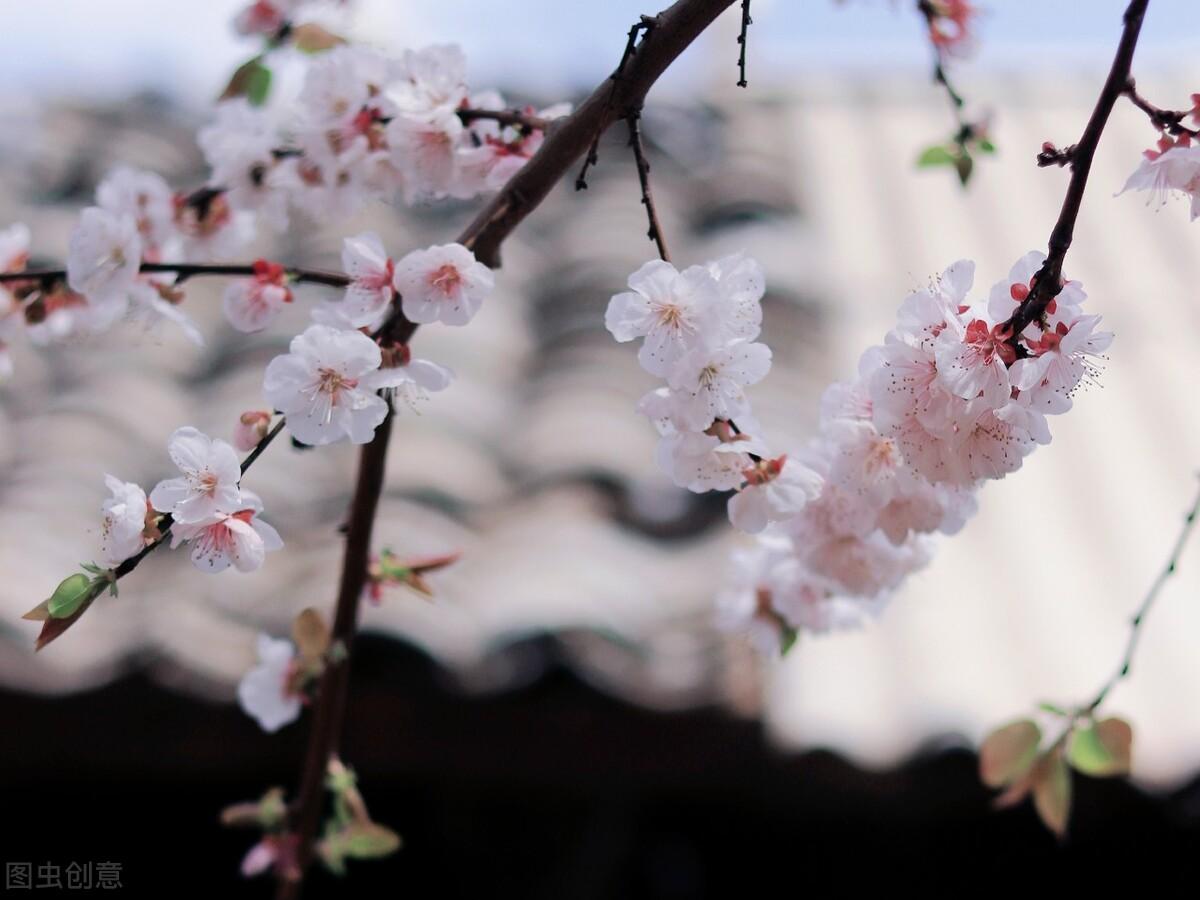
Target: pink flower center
{"points": [[446, 279], [332, 382], [208, 483], [990, 343]]}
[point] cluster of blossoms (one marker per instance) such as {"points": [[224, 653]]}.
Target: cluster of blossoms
{"points": [[136, 220], [366, 126], [1171, 167], [699, 328], [329, 382], [949, 400], [208, 508]]}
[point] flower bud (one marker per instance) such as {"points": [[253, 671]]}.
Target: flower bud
{"points": [[252, 427]]}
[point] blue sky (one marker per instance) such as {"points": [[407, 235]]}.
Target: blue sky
{"points": [[110, 47]]}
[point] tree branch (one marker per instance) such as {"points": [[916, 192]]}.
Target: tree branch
{"points": [[1168, 120], [1048, 280], [746, 23], [646, 23], [190, 270], [966, 129], [673, 31], [330, 704], [506, 117]]}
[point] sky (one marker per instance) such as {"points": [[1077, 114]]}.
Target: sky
{"points": [[109, 48]]}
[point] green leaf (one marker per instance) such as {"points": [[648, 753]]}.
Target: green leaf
{"points": [[937, 155], [986, 146], [1052, 792], [358, 840], [1102, 748], [369, 840], [1052, 708], [787, 638], [251, 80], [52, 629], [70, 594], [1007, 753]]}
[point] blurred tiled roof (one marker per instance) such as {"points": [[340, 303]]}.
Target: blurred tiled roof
{"points": [[536, 467]]}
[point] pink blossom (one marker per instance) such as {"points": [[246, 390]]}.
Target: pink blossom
{"points": [[371, 271], [775, 490], [1172, 168], [236, 538], [251, 303], [442, 284], [1047, 379]]}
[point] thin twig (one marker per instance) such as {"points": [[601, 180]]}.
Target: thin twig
{"points": [[1048, 280], [526, 122], [655, 232], [646, 24], [1139, 617], [1168, 120], [190, 270], [966, 129], [746, 23]]}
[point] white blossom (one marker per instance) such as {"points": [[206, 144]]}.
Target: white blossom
{"points": [[442, 284], [209, 484], [707, 383], [1174, 168], [251, 303], [371, 271], [146, 198], [265, 692], [775, 491], [236, 537], [322, 386], [123, 526], [104, 254], [674, 311], [412, 381]]}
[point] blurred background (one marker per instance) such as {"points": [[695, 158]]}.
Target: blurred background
{"points": [[565, 721]]}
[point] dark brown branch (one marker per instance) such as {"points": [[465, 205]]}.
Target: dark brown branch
{"points": [[330, 705], [674, 29], [167, 521], [1048, 280], [746, 23], [1168, 120], [190, 270], [506, 117], [655, 232]]}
